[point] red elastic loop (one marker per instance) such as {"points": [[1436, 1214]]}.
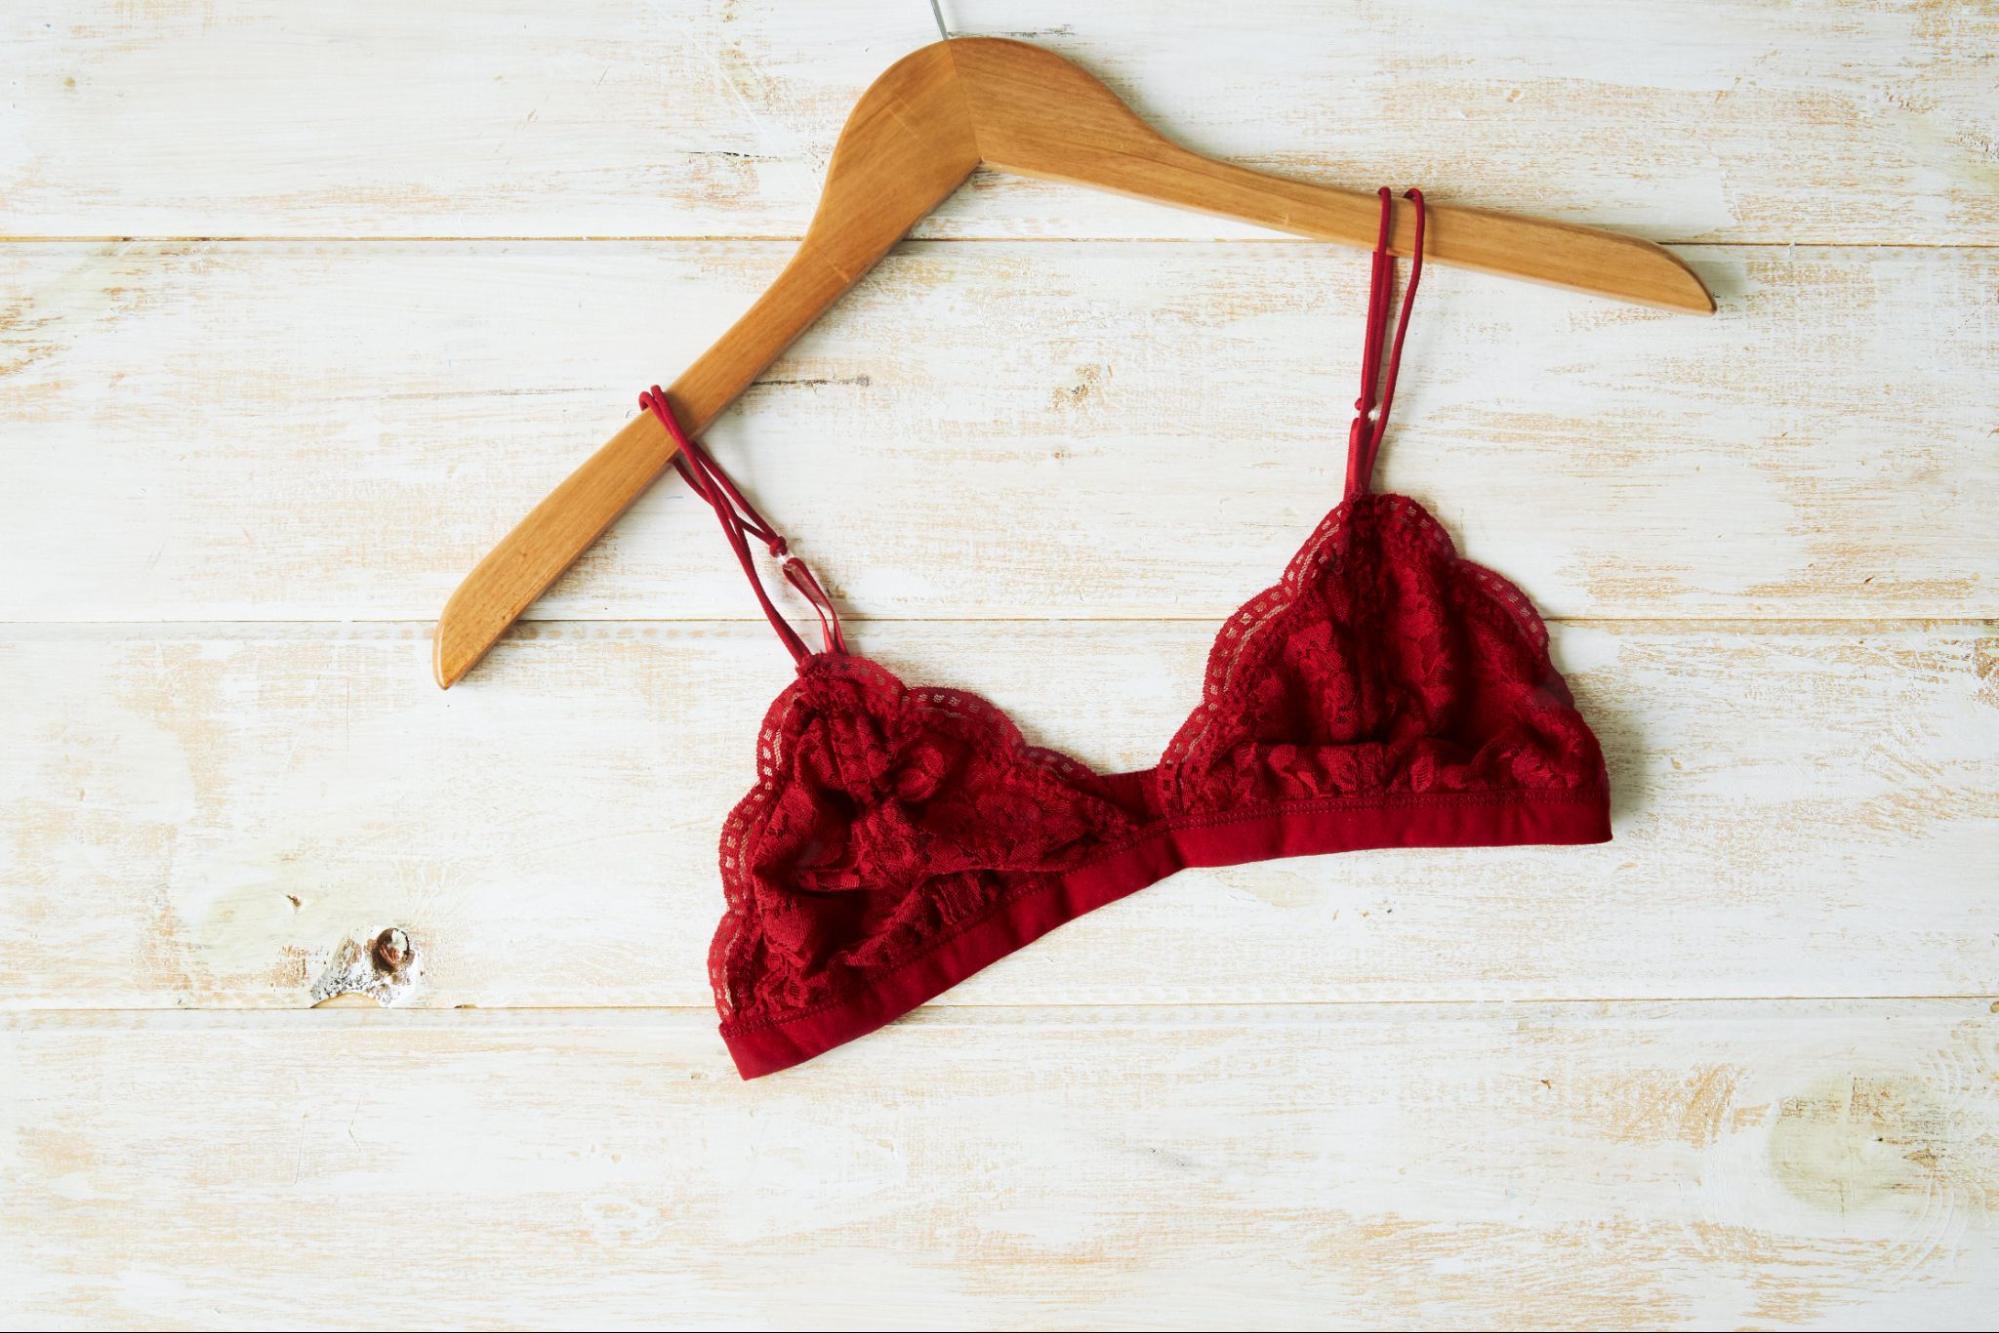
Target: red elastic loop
{"points": [[740, 521], [1364, 438]]}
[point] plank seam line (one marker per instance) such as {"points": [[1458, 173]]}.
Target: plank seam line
{"points": [[1941, 997], [525, 238], [1979, 622]]}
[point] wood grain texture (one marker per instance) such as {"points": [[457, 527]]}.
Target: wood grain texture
{"points": [[1801, 1164], [279, 431], [1735, 1069], [1832, 121], [207, 815]]}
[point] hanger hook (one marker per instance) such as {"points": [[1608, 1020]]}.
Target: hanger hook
{"points": [[938, 14]]}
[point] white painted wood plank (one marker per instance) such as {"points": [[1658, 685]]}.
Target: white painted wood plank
{"points": [[334, 431], [1691, 120], [1679, 1165], [203, 815], [221, 815]]}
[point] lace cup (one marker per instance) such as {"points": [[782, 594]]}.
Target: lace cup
{"points": [[1381, 663], [883, 819]]}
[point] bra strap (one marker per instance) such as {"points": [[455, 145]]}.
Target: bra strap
{"points": [[740, 521], [1371, 420]]}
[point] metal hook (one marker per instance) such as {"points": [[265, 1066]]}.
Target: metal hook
{"points": [[938, 14]]}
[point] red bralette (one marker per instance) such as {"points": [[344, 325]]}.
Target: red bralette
{"points": [[1383, 693]]}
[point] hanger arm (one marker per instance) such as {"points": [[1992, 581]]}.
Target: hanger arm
{"points": [[915, 136], [906, 147], [1037, 114]]}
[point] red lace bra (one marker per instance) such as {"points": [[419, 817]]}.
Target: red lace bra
{"points": [[1383, 693]]}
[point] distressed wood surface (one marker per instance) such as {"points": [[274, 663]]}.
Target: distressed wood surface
{"points": [[1832, 121], [1737, 1068], [339, 431], [1707, 1165], [204, 814]]}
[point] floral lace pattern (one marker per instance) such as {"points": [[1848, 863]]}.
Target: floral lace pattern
{"points": [[886, 818], [1381, 662]]}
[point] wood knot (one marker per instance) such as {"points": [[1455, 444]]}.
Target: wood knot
{"points": [[384, 968], [392, 950]]}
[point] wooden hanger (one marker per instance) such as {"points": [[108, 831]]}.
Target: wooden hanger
{"points": [[913, 138]]}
